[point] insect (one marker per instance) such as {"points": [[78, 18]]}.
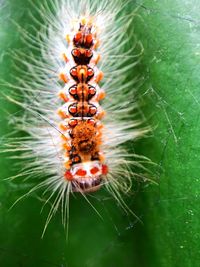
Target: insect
{"points": [[81, 113], [79, 53]]}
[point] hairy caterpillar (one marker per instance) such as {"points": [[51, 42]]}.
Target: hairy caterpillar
{"points": [[63, 158], [81, 113]]}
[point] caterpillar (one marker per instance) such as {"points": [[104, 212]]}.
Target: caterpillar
{"points": [[82, 112], [80, 63]]}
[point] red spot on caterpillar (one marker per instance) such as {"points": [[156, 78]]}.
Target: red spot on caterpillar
{"points": [[88, 53], [81, 172], [89, 39], [94, 170], [76, 52], [104, 169], [72, 123], [68, 176], [73, 90], [92, 91], [91, 121], [72, 109], [93, 110], [90, 72], [78, 37], [73, 72]]}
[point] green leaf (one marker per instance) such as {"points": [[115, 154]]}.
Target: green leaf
{"points": [[169, 235]]}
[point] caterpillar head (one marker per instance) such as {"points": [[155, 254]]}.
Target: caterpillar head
{"points": [[87, 176]]}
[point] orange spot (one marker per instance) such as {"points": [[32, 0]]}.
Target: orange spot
{"points": [[85, 107], [99, 134], [101, 115], [99, 77], [81, 172], [94, 170], [63, 96], [64, 138], [104, 169], [68, 176], [97, 59], [63, 77], [65, 57], [76, 159], [66, 146], [100, 126], [82, 73], [67, 164], [96, 44], [66, 154], [101, 95], [63, 126], [61, 113], [101, 157]]}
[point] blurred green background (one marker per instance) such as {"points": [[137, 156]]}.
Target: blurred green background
{"points": [[170, 233]]}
